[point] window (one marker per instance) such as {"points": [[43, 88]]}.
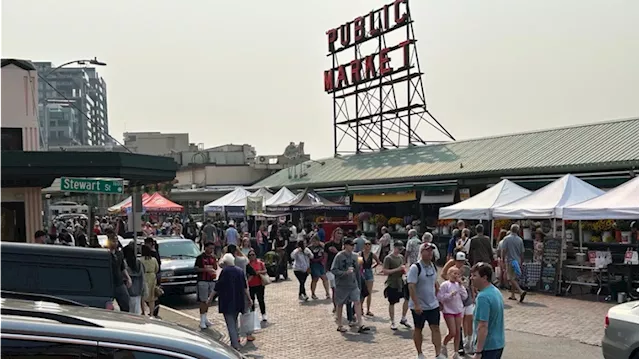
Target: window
{"points": [[49, 278], [11, 139], [32, 349], [113, 353], [52, 123]]}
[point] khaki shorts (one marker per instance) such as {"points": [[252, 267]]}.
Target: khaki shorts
{"points": [[204, 289], [511, 274]]}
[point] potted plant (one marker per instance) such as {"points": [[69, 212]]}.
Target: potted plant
{"points": [[364, 218], [587, 231], [605, 227], [380, 220]]}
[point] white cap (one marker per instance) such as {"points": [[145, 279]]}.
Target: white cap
{"points": [[460, 256]]}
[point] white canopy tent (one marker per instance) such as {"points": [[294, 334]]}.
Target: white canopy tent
{"points": [[619, 203], [262, 192], [230, 199], [281, 197], [479, 206], [550, 200]]}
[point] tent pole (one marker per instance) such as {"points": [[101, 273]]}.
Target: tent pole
{"points": [[580, 234], [492, 226], [555, 225]]}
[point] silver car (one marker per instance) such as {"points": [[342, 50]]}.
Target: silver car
{"points": [[621, 332], [37, 329]]}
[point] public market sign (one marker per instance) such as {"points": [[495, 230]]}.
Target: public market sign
{"points": [[89, 185]]}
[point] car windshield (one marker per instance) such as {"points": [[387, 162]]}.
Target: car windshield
{"points": [[178, 249]]}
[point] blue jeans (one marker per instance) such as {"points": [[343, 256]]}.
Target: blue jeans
{"points": [[232, 327]]}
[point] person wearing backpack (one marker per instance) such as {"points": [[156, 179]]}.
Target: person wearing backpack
{"points": [[423, 301]]}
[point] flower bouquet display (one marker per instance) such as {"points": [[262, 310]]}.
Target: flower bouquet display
{"points": [[364, 218], [396, 223]]}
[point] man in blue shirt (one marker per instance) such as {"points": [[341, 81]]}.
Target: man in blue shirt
{"points": [[488, 317], [231, 235]]}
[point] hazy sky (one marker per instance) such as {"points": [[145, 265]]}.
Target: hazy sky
{"points": [[251, 71]]}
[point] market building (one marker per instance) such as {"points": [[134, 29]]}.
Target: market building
{"points": [[417, 181]]}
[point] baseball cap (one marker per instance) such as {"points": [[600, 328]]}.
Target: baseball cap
{"points": [[348, 242], [428, 245], [398, 244], [460, 256]]}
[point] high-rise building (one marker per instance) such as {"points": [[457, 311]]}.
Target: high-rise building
{"points": [[81, 94]]}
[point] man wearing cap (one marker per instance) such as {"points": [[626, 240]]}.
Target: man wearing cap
{"points": [[423, 286], [346, 269], [393, 267]]}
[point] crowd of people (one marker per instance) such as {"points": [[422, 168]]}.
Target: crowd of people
{"points": [[232, 270], [470, 304]]}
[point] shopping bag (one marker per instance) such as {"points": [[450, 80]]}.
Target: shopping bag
{"points": [[265, 279], [256, 322], [247, 322]]}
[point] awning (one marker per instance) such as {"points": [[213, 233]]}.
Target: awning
{"points": [[437, 197], [385, 197]]}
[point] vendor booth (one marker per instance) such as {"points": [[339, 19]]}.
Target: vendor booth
{"points": [[609, 240], [479, 207], [544, 269], [279, 198], [234, 198]]}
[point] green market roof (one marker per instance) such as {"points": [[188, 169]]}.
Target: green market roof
{"points": [[604, 146]]}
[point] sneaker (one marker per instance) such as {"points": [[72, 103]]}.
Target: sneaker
{"points": [[305, 298], [264, 317], [468, 349], [456, 356], [314, 297], [352, 323], [444, 352], [421, 356], [394, 326], [441, 356], [405, 323], [208, 323], [301, 298]]}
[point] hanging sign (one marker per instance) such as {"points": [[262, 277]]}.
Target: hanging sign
{"points": [[254, 205], [464, 194]]}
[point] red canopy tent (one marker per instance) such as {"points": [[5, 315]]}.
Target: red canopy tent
{"points": [[156, 203]]}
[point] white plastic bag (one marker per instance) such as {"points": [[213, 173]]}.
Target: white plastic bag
{"points": [[247, 322]]}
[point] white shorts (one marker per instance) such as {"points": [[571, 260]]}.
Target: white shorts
{"points": [[468, 310], [332, 279]]}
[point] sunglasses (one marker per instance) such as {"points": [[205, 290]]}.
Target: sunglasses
{"points": [[252, 254], [368, 244]]}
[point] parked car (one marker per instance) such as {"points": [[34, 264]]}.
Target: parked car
{"points": [[177, 270], [621, 332], [38, 329], [82, 275]]}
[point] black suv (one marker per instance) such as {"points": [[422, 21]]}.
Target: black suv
{"points": [[39, 329]]}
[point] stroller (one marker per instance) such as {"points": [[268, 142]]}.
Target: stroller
{"points": [[272, 262]]}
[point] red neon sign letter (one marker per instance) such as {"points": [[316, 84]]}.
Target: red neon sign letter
{"points": [[356, 70], [369, 67], [328, 80], [358, 29], [342, 77], [385, 68], [396, 11], [332, 37]]}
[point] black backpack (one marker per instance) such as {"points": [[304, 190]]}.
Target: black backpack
{"points": [[417, 264]]}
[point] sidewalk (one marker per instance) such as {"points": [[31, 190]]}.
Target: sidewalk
{"points": [[558, 317]]}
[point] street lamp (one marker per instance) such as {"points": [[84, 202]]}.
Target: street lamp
{"points": [[93, 61]]}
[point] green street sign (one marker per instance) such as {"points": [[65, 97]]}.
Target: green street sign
{"points": [[90, 185]]}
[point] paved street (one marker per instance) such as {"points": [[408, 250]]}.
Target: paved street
{"points": [[543, 325]]}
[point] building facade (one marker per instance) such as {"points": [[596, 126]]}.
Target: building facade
{"points": [[21, 206], [157, 143], [83, 92]]}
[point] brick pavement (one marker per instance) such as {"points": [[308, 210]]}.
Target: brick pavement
{"points": [[304, 330]]}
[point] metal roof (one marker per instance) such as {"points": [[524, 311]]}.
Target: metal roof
{"points": [[603, 146]]}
